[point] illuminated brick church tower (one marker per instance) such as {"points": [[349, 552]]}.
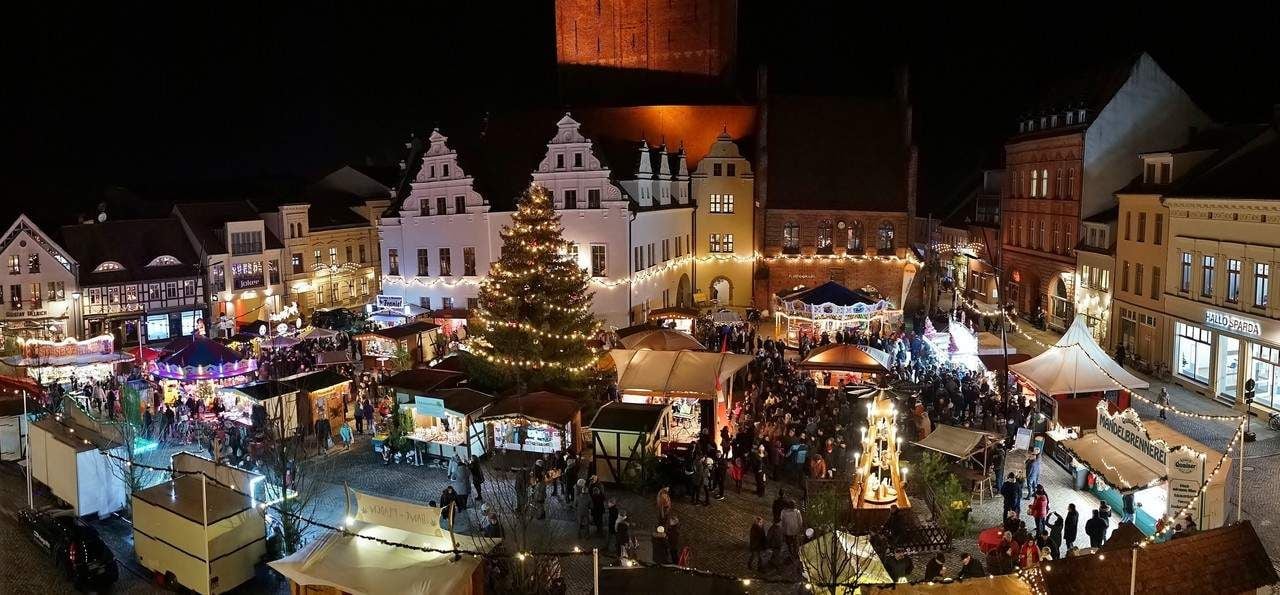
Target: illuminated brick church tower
{"points": [[693, 37]]}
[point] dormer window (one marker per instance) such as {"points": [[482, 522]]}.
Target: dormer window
{"points": [[164, 261], [444, 170], [1157, 171], [559, 160], [577, 159], [108, 266]]}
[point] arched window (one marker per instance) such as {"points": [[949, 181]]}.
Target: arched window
{"points": [[109, 265], [885, 237], [855, 237], [1035, 180], [791, 236], [825, 242], [164, 261]]}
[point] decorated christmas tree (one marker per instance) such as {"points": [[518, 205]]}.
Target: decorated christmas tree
{"points": [[534, 319]]}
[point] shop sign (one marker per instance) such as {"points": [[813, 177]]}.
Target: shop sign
{"points": [[429, 406], [1231, 322], [406, 516], [25, 313], [390, 302], [1186, 475], [1123, 432], [37, 349]]}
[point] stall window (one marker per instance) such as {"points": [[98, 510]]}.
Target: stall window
{"points": [[1193, 347], [1266, 373]]}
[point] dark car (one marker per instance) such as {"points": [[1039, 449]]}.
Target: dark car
{"points": [[75, 546]]}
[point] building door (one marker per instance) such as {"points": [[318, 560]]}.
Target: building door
{"points": [[1228, 367], [1061, 307], [722, 291], [684, 297]]}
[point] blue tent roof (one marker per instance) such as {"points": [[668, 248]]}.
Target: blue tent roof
{"points": [[202, 351], [830, 293]]}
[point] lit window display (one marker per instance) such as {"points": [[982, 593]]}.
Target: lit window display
{"points": [[1192, 350], [527, 435]]}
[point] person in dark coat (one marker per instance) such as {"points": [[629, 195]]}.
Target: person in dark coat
{"points": [[597, 505], [1012, 493], [1069, 527], [970, 567], [673, 536], [935, 567], [1055, 536], [1096, 529], [900, 566], [477, 477], [757, 542], [661, 548]]}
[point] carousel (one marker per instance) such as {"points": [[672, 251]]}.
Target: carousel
{"points": [[878, 480], [831, 308], [199, 367]]}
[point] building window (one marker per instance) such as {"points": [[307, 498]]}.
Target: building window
{"points": [[1261, 284], [33, 263], [363, 257], [727, 245], [1084, 275], [1266, 373], [1044, 183], [1192, 349], [577, 159], [246, 242], [715, 169], [446, 303], [598, 260], [791, 237], [666, 250], [424, 302], [1157, 236], [469, 261], [316, 255], [1185, 284], [335, 292], [559, 160], [637, 257], [433, 172], [1233, 280], [246, 275], [854, 242], [472, 304], [219, 277], [57, 291], [570, 199], [424, 207], [333, 255], [171, 289], [273, 271], [444, 170], [446, 263], [1128, 226], [441, 205], [679, 247], [296, 262], [348, 250], [1035, 182], [1206, 283], [651, 260], [593, 198], [424, 262], [460, 204], [15, 265], [825, 241], [1137, 280], [364, 286], [714, 242], [1124, 277], [1057, 238], [393, 261], [721, 203], [1155, 283], [37, 302], [885, 237], [1142, 227], [15, 296]]}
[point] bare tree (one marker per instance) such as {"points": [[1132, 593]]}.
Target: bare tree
{"points": [[511, 496], [834, 557], [130, 466]]}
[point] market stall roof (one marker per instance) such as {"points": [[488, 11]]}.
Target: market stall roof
{"points": [[543, 406], [675, 373], [81, 359], [1005, 584], [1076, 364], [421, 380], [314, 381], [1123, 471], [641, 579], [185, 497], [359, 565], [11, 406], [464, 400], [995, 362], [674, 313], [143, 354], [317, 332], [1228, 559], [952, 441], [202, 351], [396, 333], [844, 357], [280, 342], [262, 390], [628, 417], [17, 384], [829, 293], [661, 340], [724, 316], [62, 431], [333, 358]]}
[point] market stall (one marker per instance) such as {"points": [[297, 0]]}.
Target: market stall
{"points": [[661, 340], [960, 444], [829, 308], [675, 318], [623, 434], [855, 364], [67, 457], [844, 558], [62, 362], [315, 333], [263, 405], [240, 480], [361, 560], [1006, 584], [1162, 468], [209, 536], [1070, 378], [13, 426], [697, 384], [446, 423], [324, 399], [535, 422], [419, 339], [199, 367]]}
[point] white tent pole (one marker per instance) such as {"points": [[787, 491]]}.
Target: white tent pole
{"points": [[1133, 572], [26, 449], [595, 570], [204, 508], [1240, 480]]}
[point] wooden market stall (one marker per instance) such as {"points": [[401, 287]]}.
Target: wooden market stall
{"points": [[539, 422], [67, 457], [623, 433], [50, 362], [264, 405], [14, 425], [698, 385], [240, 480], [675, 317], [324, 399], [418, 338], [446, 423], [209, 536], [853, 363]]}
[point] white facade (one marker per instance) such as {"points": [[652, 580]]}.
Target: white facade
{"points": [[39, 284], [597, 217]]}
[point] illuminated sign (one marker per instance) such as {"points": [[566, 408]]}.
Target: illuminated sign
{"points": [[1128, 433], [390, 302], [1233, 323]]}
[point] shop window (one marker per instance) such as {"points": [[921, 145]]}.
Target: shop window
{"points": [[1266, 375], [1192, 349]]}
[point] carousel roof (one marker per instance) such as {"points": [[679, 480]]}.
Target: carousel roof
{"points": [[830, 293], [202, 351], [846, 358], [661, 340]]}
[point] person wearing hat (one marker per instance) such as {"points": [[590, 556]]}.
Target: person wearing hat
{"points": [[661, 548], [1033, 472], [582, 507]]}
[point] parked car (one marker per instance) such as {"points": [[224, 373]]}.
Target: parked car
{"points": [[75, 546]]}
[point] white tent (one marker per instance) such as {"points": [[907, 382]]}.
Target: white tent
{"points": [[1076, 364], [676, 373]]}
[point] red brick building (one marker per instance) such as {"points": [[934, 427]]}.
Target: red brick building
{"points": [[690, 36]]}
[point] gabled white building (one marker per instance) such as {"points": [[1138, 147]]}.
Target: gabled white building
{"points": [[37, 301], [438, 246]]}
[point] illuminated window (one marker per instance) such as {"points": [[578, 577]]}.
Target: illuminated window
{"points": [[1206, 281], [393, 261], [333, 255], [296, 262], [446, 263], [885, 236], [854, 242], [469, 259], [1185, 285], [424, 262], [108, 266], [714, 242], [791, 236], [1261, 284], [599, 260], [33, 263], [164, 261], [825, 242], [727, 245], [15, 265]]}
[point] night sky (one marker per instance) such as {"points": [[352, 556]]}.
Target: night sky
{"points": [[150, 99]]}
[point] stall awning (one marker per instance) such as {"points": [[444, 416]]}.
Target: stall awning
{"points": [[82, 359], [952, 441], [395, 333], [360, 566], [1076, 364], [639, 418], [1007, 584], [316, 381], [661, 340], [1118, 469], [262, 390], [547, 407], [674, 313], [675, 373], [843, 357], [316, 332]]}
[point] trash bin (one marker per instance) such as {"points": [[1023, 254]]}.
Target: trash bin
{"points": [[1080, 477]]}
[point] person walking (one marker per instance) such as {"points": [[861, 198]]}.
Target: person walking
{"points": [[582, 508], [1096, 529], [477, 477], [660, 547], [570, 476], [1012, 493], [1040, 508], [757, 542], [1069, 526], [673, 537], [597, 504], [1163, 401], [792, 525], [664, 504], [359, 415], [1033, 472], [735, 472], [462, 484], [700, 479], [368, 414]]}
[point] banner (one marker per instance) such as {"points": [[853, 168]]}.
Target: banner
{"points": [[429, 406], [398, 514], [1124, 432], [1186, 475]]}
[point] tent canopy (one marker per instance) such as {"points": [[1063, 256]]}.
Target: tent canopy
{"points": [[855, 561], [843, 357], [661, 340], [316, 332], [675, 373], [1076, 364], [363, 566], [674, 313], [952, 441], [1125, 473]]}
